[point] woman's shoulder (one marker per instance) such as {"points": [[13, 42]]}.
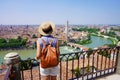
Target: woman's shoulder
{"points": [[40, 40], [48, 38]]}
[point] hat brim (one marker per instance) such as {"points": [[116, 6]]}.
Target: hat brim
{"points": [[42, 32]]}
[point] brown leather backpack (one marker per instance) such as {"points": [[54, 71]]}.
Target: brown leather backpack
{"points": [[49, 57]]}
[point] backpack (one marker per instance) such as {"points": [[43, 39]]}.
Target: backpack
{"points": [[49, 57]]}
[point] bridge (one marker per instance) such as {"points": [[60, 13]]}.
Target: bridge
{"points": [[77, 46]]}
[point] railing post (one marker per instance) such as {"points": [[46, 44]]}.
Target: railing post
{"points": [[118, 63], [13, 59]]}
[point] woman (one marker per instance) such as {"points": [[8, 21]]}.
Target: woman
{"points": [[45, 30]]}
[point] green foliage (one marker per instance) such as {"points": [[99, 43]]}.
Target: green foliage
{"points": [[89, 37], [88, 69], [25, 65], [111, 33], [23, 41], [10, 45], [104, 53], [34, 36], [13, 40], [85, 42], [76, 71], [89, 53], [2, 40], [13, 43], [118, 37], [19, 38], [90, 49], [65, 42]]}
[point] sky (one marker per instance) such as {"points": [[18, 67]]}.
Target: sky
{"points": [[59, 11]]}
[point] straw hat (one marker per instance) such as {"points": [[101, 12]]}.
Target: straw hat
{"points": [[46, 28]]}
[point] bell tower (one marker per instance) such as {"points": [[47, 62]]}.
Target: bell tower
{"points": [[66, 30]]}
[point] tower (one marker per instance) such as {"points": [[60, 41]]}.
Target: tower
{"points": [[66, 31]]}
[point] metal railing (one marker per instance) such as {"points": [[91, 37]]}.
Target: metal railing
{"points": [[84, 65]]}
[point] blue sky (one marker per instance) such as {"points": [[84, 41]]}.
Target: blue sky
{"points": [[59, 11]]}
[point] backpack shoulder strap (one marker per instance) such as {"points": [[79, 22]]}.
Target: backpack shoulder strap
{"points": [[50, 42], [44, 42]]}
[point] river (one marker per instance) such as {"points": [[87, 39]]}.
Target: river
{"points": [[30, 53], [24, 54], [98, 41]]}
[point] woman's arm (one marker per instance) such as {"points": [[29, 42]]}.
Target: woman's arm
{"points": [[38, 51]]}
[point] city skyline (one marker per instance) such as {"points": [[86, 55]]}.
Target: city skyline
{"points": [[59, 11]]}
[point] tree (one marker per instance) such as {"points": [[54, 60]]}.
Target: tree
{"points": [[23, 41], [34, 36], [19, 38], [2, 40], [13, 40]]}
